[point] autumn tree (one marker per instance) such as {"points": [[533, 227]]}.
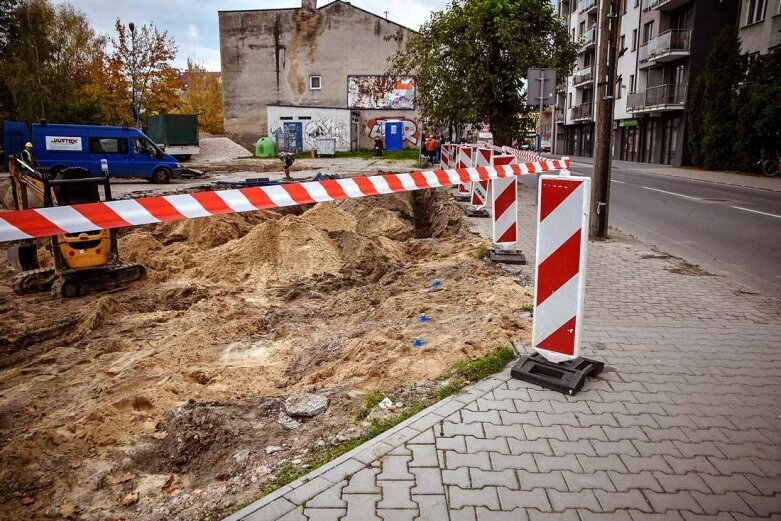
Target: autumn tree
{"points": [[202, 94], [146, 54], [470, 61]]}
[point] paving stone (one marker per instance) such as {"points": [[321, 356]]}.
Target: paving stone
{"points": [[611, 501], [651, 448], [534, 433], [519, 418], [363, 482], [677, 482], [459, 476], [598, 479], [331, 498], [571, 406], [670, 515], [504, 431], [637, 464], [535, 406], [540, 446], [294, 515], [504, 478], [324, 514], [423, 456], [764, 505], [559, 419], [401, 450], [734, 466], [548, 463], [705, 448], [481, 417], [273, 510], [587, 515], [561, 501], [428, 481], [396, 495], [733, 483], [483, 514], [502, 461], [512, 499], [672, 501], [454, 429], [448, 408], [485, 404], [342, 470], [585, 433], [484, 497], [397, 515], [695, 464], [605, 448], [426, 437], [691, 516], [603, 420], [512, 394], [487, 445], [572, 447], [463, 514], [361, 507], [479, 460], [548, 480], [673, 433], [767, 486], [724, 502], [594, 463], [395, 467], [375, 450], [624, 433], [456, 443], [431, 507], [567, 515], [308, 490]]}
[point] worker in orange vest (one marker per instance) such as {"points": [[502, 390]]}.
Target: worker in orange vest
{"points": [[431, 148]]}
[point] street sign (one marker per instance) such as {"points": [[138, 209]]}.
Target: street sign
{"points": [[541, 87]]}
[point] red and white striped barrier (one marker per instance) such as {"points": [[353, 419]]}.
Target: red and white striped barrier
{"points": [[446, 156], [504, 204], [465, 160], [43, 222], [560, 273], [480, 188]]}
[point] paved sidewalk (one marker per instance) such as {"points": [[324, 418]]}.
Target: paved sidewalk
{"points": [[684, 424], [728, 178]]}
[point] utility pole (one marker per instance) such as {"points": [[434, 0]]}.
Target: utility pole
{"points": [[136, 110], [605, 98], [539, 121]]}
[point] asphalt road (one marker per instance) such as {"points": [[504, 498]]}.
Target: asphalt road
{"points": [[726, 230]]}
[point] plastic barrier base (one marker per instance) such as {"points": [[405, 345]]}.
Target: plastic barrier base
{"points": [[567, 377], [477, 212], [462, 198], [507, 256]]}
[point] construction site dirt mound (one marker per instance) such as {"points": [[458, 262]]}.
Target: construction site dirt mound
{"points": [[158, 401]]}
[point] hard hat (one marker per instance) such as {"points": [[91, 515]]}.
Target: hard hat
{"points": [[28, 145]]}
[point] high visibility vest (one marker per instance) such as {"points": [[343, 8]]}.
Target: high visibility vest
{"points": [[27, 157]]}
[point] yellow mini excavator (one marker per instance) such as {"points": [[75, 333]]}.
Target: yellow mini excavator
{"points": [[84, 262]]}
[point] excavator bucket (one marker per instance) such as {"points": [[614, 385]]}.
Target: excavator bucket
{"points": [[23, 256]]}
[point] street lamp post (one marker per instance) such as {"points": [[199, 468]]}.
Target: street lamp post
{"points": [[136, 111]]}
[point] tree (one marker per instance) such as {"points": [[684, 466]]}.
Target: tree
{"points": [[471, 59], [9, 29], [203, 96], [148, 53], [712, 122]]}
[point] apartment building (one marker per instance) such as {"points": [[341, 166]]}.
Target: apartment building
{"points": [[662, 49]]}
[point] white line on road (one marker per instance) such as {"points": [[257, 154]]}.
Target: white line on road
{"points": [[619, 182], [756, 211], [671, 193]]}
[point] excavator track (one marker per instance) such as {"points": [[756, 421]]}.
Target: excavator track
{"points": [[83, 282], [34, 281]]}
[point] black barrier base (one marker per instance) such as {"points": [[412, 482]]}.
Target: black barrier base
{"points": [[462, 198], [477, 212], [507, 256], [566, 377]]}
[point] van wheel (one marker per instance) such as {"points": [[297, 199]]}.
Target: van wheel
{"points": [[55, 171], [161, 176]]}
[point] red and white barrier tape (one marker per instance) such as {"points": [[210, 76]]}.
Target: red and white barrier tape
{"points": [[43, 222]]}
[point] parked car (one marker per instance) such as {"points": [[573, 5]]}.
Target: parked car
{"points": [[545, 146], [128, 151]]}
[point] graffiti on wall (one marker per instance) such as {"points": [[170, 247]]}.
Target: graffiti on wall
{"points": [[380, 92], [376, 127], [326, 127]]}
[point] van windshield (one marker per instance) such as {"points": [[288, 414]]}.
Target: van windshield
{"points": [[144, 146]]}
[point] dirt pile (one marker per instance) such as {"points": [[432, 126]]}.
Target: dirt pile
{"points": [[157, 402]]}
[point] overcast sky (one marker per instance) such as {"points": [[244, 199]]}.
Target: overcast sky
{"points": [[193, 23]]}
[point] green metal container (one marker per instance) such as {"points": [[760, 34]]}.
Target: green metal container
{"points": [[265, 147], [174, 129]]}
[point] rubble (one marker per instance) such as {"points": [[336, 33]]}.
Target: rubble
{"points": [[305, 405]]}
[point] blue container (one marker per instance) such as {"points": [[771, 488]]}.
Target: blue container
{"points": [[394, 135]]}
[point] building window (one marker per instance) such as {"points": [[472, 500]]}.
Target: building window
{"points": [[315, 83], [619, 87], [634, 39], [624, 2], [648, 31], [569, 102], [632, 83], [756, 11], [637, 4], [623, 43]]}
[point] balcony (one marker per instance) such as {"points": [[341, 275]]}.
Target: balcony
{"points": [[583, 76], [583, 112], [660, 98], [668, 46], [588, 38], [663, 5], [586, 6]]}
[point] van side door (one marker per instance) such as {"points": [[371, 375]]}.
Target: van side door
{"points": [[114, 150], [144, 157]]}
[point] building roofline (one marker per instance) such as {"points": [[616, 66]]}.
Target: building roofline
{"points": [[319, 8]]}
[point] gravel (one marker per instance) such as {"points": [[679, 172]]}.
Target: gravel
{"points": [[220, 148]]}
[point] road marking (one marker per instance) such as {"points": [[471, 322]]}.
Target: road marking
{"points": [[756, 211], [619, 182], [671, 193]]}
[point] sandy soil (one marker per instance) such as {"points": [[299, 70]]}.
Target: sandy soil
{"points": [[157, 402]]}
